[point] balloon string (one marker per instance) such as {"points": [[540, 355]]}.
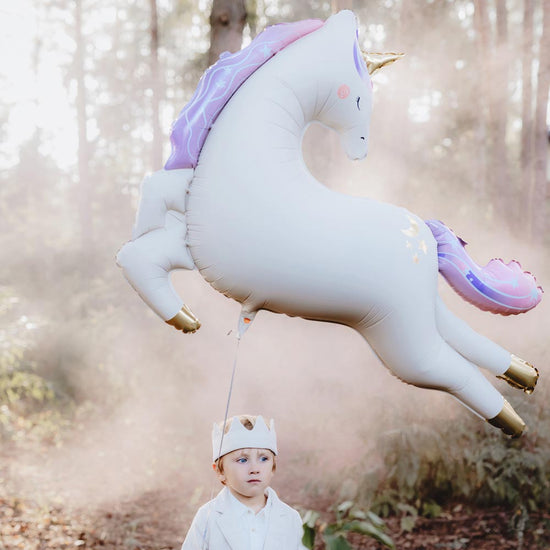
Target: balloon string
{"points": [[229, 395]]}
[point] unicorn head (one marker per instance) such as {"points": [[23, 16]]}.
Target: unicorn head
{"points": [[348, 106]]}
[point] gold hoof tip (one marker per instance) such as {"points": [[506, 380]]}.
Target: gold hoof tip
{"points": [[521, 374], [185, 321], [509, 421]]}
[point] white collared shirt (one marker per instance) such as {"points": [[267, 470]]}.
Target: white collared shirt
{"points": [[225, 524], [254, 525]]}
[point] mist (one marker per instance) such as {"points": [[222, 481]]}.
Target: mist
{"points": [[143, 396]]}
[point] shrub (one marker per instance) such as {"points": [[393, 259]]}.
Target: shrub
{"points": [[425, 468], [349, 518], [27, 400]]}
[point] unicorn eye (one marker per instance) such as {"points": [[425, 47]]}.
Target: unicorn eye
{"points": [[357, 101]]}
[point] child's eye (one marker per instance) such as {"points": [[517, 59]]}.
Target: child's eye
{"points": [[264, 458], [358, 100], [241, 460]]}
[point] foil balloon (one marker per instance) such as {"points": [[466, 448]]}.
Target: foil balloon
{"points": [[237, 202], [497, 287]]}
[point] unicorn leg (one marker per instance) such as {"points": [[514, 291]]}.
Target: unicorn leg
{"points": [[419, 356], [146, 263], [161, 191], [483, 352]]}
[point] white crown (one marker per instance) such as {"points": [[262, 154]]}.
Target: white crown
{"points": [[239, 437]]}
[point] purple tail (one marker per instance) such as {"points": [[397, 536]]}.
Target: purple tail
{"points": [[497, 287]]}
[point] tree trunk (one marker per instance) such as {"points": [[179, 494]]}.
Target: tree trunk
{"points": [[502, 191], [482, 33], [539, 194], [401, 145], [227, 21], [338, 5], [155, 87], [526, 159], [84, 153], [494, 61]]}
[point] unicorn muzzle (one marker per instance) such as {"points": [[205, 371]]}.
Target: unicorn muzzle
{"points": [[355, 144]]}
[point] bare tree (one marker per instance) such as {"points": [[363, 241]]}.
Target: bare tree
{"points": [[338, 5], [493, 52], [482, 33], [399, 116], [155, 87], [84, 147], [526, 159], [540, 185], [227, 20], [501, 190]]}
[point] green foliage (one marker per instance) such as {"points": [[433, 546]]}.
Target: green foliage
{"points": [[23, 390], [348, 519], [427, 468], [309, 520], [29, 406]]}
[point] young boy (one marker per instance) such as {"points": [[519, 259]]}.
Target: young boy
{"points": [[246, 514]]}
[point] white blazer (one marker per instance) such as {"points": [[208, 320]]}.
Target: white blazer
{"points": [[218, 526]]}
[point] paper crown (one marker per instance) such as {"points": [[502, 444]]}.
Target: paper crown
{"points": [[239, 437]]}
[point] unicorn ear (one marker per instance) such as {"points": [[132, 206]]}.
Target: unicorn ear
{"points": [[344, 20], [342, 28]]}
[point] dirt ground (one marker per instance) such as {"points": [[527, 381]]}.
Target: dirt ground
{"points": [[152, 522]]}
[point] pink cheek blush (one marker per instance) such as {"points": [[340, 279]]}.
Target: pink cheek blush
{"points": [[343, 91]]}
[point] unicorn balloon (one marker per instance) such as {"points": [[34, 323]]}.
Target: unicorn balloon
{"points": [[237, 201]]}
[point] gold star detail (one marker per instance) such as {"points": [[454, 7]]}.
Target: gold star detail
{"points": [[422, 246], [412, 231]]}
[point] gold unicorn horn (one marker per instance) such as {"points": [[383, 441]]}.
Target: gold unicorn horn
{"points": [[376, 60]]}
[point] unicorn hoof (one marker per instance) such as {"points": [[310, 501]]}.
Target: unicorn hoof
{"points": [[508, 420], [185, 320], [521, 374]]}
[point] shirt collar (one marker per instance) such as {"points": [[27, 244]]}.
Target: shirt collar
{"points": [[239, 508]]}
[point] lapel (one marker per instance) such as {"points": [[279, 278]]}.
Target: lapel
{"points": [[229, 522], [278, 528]]}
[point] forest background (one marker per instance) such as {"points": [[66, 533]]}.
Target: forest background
{"points": [[106, 412]]}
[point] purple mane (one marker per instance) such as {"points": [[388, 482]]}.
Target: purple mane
{"points": [[220, 82]]}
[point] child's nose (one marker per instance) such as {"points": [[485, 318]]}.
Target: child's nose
{"points": [[254, 466]]}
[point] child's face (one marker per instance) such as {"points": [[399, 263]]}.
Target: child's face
{"points": [[247, 473]]}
